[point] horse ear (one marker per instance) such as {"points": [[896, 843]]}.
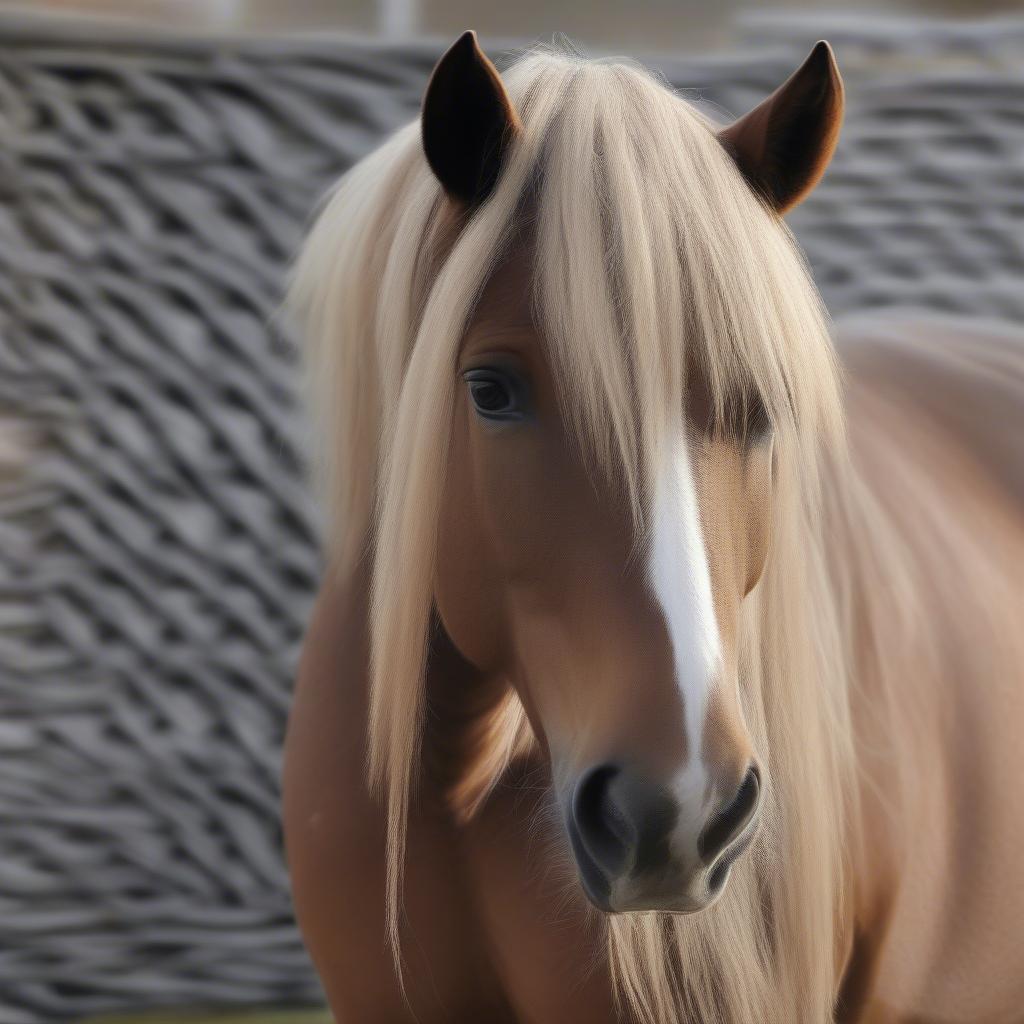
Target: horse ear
{"points": [[785, 143], [468, 121]]}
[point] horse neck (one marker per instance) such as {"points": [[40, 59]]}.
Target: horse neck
{"points": [[799, 641], [874, 579]]}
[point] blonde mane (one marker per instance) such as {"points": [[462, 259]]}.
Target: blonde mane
{"points": [[652, 257]]}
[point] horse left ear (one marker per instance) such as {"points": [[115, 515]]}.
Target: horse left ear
{"points": [[468, 121], [785, 143]]}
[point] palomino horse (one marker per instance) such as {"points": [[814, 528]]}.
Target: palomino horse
{"points": [[641, 687]]}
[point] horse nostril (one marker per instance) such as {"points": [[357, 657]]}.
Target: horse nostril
{"points": [[603, 829], [731, 820]]}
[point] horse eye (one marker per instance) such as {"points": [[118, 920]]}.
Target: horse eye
{"points": [[495, 394]]}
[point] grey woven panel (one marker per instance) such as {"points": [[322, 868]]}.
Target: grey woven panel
{"points": [[158, 560]]}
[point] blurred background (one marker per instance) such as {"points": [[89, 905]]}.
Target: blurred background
{"points": [[159, 162], [638, 26]]}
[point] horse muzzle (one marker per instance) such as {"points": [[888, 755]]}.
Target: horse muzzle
{"points": [[637, 849]]}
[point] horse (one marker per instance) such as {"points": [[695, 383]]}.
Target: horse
{"points": [[667, 664]]}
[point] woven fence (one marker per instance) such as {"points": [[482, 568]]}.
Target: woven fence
{"points": [[159, 554]]}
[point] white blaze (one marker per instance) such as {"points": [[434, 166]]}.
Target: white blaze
{"points": [[681, 581]]}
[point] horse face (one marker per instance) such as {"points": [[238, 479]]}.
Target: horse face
{"points": [[624, 659], [623, 654]]}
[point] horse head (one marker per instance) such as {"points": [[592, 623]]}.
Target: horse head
{"points": [[611, 602]]}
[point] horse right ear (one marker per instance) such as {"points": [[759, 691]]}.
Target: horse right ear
{"points": [[785, 143], [468, 121]]}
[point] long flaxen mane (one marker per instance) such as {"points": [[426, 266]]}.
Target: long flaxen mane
{"points": [[652, 257]]}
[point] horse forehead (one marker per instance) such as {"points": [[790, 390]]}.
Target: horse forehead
{"points": [[506, 298]]}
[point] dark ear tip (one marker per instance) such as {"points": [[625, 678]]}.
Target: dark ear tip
{"points": [[821, 71], [824, 57], [465, 50]]}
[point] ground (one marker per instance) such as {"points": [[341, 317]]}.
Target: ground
{"points": [[220, 1017]]}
